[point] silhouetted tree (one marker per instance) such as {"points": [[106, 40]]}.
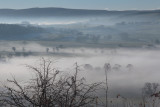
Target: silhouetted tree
{"points": [[14, 49], [49, 89], [148, 91], [88, 67], [116, 67], [23, 49], [53, 50], [57, 49], [47, 50], [129, 67], [107, 68], [157, 41]]}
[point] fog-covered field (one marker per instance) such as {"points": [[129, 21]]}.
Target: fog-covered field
{"points": [[128, 40], [122, 79]]}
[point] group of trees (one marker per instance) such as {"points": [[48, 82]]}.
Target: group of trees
{"points": [[114, 68], [54, 49]]}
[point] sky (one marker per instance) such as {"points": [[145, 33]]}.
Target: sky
{"points": [[83, 4]]}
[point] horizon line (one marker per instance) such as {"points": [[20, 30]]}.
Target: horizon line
{"points": [[82, 9]]}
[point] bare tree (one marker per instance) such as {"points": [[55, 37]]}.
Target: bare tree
{"points": [[49, 89], [107, 68], [148, 91]]}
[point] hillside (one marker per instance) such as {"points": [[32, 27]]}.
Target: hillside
{"points": [[50, 12], [19, 32]]}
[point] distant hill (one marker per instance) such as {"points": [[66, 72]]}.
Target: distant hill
{"points": [[129, 25], [57, 12]]}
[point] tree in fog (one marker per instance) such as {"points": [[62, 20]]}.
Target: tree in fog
{"points": [[95, 39], [47, 50], [53, 50], [102, 51], [14, 49], [129, 67], [23, 49], [57, 49], [82, 50], [117, 67], [148, 91], [157, 41], [107, 68], [50, 89], [73, 50], [88, 67]]}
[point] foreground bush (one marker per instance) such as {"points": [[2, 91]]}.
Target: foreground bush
{"points": [[49, 89]]}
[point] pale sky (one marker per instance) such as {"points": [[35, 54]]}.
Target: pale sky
{"points": [[83, 4]]}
